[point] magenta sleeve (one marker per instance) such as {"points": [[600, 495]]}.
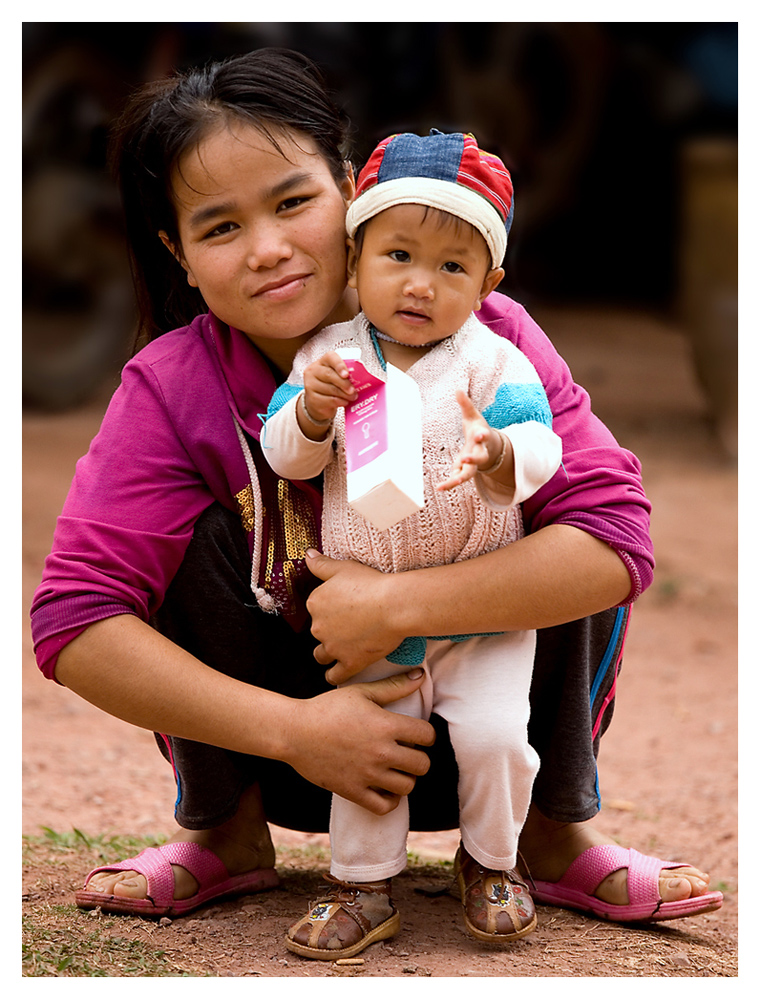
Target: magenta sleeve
{"points": [[126, 522], [598, 487]]}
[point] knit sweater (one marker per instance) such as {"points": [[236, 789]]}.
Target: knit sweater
{"points": [[454, 524]]}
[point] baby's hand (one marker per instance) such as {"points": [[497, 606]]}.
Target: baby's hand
{"points": [[327, 387], [480, 449]]}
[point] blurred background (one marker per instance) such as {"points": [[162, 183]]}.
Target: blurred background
{"points": [[621, 137]]}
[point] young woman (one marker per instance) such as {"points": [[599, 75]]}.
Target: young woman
{"points": [[235, 187]]}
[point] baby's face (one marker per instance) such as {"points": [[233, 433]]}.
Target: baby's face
{"points": [[420, 273]]}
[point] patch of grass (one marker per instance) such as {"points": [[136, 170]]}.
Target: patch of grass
{"points": [[413, 858], [59, 848], [725, 887], [58, 940], [299, 856], [104, 844], [51, 946]]}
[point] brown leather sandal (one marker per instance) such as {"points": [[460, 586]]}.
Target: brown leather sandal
{"points": [[343, 922], [497, 905]]}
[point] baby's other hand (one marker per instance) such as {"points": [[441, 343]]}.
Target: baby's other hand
{"points": [[474, 454]]}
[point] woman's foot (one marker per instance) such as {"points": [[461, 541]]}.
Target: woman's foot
{"points": [[242, 844], [343, 922], [548, 848]]}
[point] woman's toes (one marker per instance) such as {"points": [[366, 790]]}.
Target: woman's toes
{"points": [[672, 889], [674, 884], [130, 884], [681, 883], [134, 885]]}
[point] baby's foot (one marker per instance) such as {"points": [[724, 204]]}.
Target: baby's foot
{"points": [[343, 922], [497, 905]]}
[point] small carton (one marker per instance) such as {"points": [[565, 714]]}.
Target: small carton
{"points": [[384, 444]]}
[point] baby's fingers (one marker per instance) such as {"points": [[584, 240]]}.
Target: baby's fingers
{"points": [[460, 474], [325, 378], [475, 436], [469, 411], [334, 361]]}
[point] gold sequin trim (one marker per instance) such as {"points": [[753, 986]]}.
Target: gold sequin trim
{"points": [[245, 501], [299, 532]]}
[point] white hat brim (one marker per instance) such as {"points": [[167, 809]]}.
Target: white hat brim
{"points": [[446, 196]]}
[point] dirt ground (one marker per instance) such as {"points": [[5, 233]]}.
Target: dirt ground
{"points": [[669, 768]]}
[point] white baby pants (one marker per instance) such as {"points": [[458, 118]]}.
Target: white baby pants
{"points": [[481, 687]]}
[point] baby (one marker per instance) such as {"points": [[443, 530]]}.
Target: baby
{"points": [[427, 236]]}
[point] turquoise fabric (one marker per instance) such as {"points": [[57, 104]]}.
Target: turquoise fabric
{"points": [[281, 396], [411, 651], [517, 403]]}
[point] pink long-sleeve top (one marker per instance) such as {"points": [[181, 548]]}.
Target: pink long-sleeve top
{"points": [[170, 445]]}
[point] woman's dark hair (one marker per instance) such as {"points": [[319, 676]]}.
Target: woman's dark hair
{"points": [[272, 89]]}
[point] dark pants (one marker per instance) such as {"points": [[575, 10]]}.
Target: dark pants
{"points": [[210, 611]]}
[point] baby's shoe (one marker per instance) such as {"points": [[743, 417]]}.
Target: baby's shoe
{"points": [[343, 922], [497, 905]]}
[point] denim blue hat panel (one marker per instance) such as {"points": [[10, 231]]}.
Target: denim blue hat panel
{"points": [[436, 155]]}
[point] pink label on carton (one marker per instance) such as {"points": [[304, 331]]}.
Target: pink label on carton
{"points": [[366, 425]]}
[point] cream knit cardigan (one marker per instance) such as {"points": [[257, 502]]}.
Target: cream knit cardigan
{"points": [[455, 524]]}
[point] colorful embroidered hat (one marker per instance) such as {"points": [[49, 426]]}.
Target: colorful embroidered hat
{"points": [[444, 171]]}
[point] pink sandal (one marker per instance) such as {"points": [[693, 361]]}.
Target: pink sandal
{"points": [[575, 890], [155, 863]]}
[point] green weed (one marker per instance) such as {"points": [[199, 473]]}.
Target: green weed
{"points": [[52, 947], [103, 848]]}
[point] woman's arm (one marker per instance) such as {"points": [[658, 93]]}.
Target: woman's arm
{"points": [[598, 488], [129, 515], [588, 546], [556, 575], [124, 667]]}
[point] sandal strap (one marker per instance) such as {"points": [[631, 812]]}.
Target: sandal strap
{"points": [[508, 876], [340, 897], [596, 863], [490, 896], [155, 864], [334, 906], [344, 896], [337, 885]]}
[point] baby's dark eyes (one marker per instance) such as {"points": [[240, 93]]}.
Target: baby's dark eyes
{"points": [[403, 257]]}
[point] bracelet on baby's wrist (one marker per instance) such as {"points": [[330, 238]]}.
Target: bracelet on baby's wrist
{"points": [[500, 458], [310, 418]]}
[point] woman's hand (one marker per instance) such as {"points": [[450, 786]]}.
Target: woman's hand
{"points": [[342, 740], [348, 616], [360, 615], [345, 741]]}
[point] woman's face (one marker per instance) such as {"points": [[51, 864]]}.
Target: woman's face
{"points": [[262, 233]]}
